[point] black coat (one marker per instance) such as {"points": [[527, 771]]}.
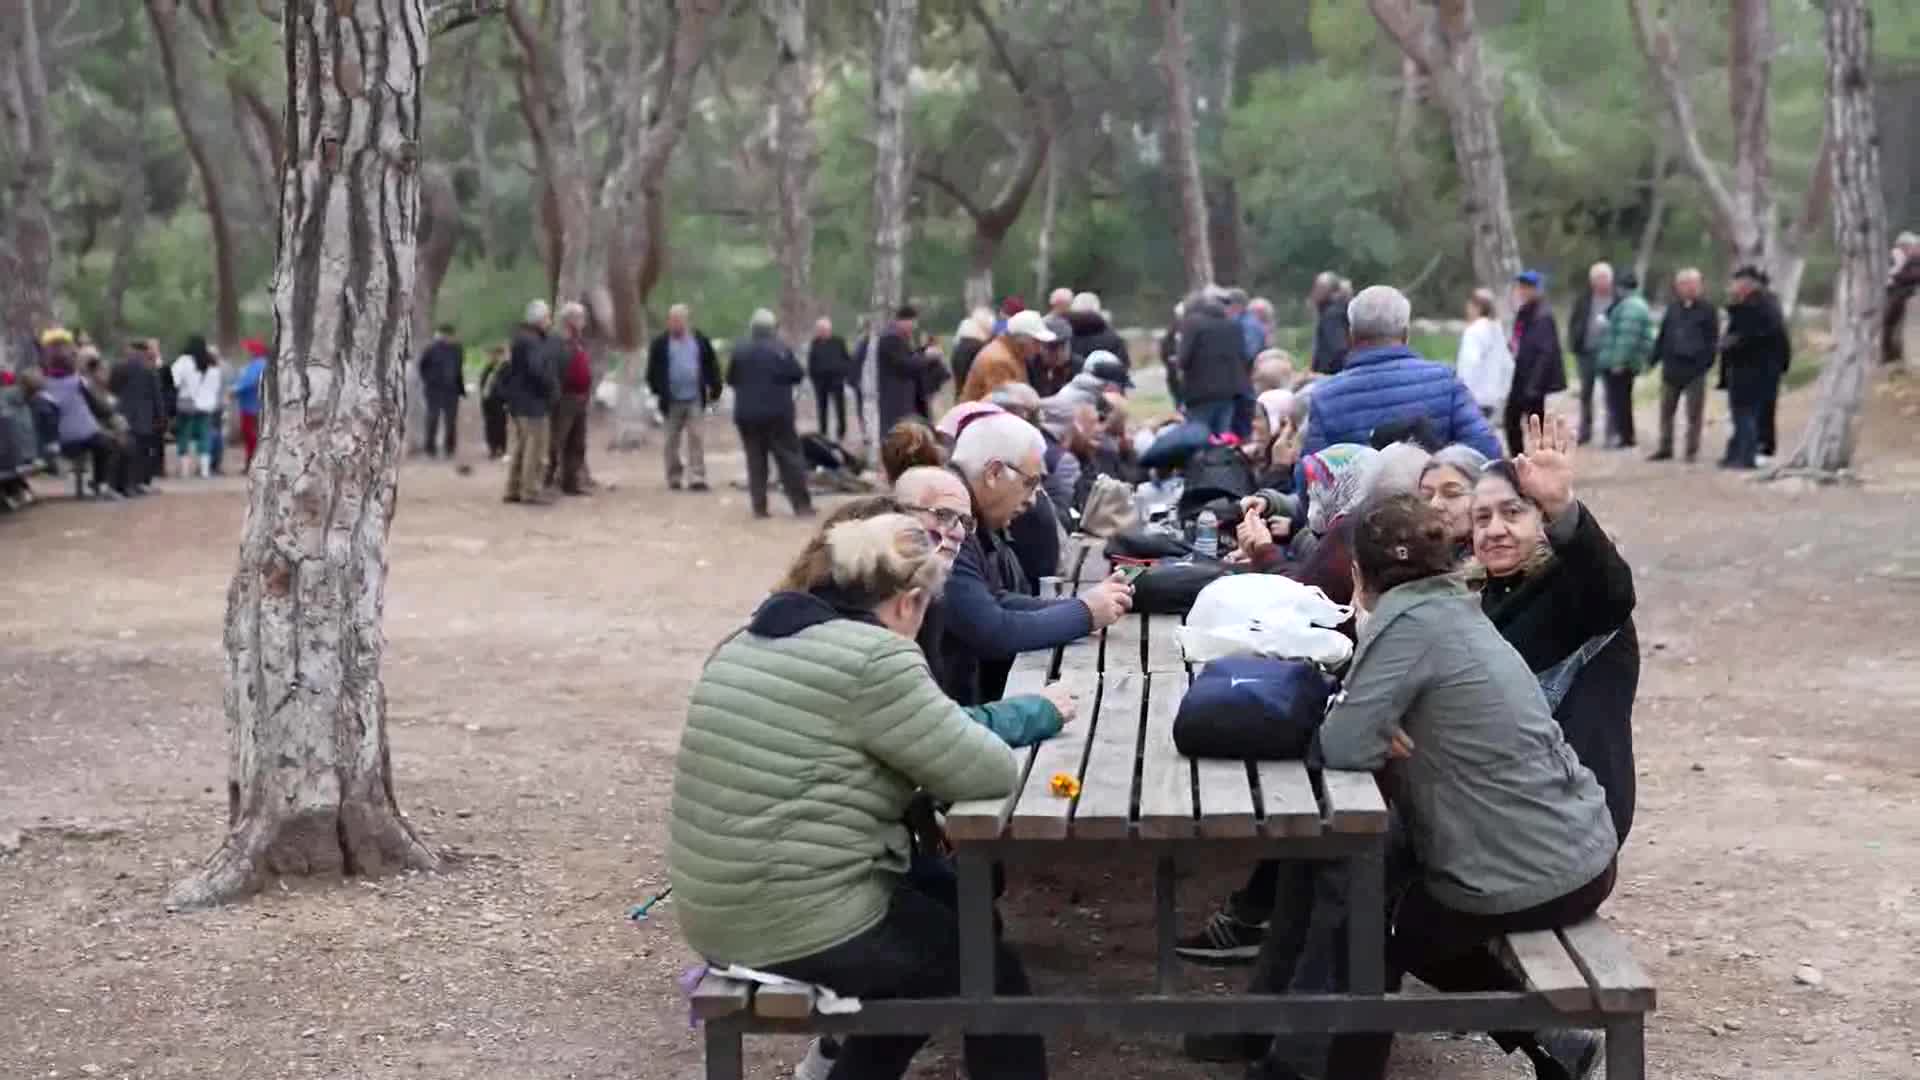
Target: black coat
{"points": [[1577, 342], [961, 359], [901, 387], [828, 362], [1214, 365], [1330, 338], [657, 371], [1090, 332], [1034, 538], [1756, 349], [1539, 367], [136, 385], [1689, 338], [441, 374], [1547, 615], [763, 373], [531, 383]]}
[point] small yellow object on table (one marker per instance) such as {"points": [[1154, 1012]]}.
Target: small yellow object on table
{"points": [[1064, 785]]}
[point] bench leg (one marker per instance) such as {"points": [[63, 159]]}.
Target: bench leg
{"points": [[1366, 923], [1627, 1049], [726, 1059], [1165, 918], [976, 924]]}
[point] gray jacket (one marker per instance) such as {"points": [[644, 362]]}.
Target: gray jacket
{"points": [[1502, 814]]}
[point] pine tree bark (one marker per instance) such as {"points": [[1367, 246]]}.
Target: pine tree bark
{"points": [[897, 35], [795, 160], [1183, 152], [310, 788], [1860, 240], [26, 248]]}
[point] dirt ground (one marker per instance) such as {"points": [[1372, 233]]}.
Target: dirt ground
{"points": [[537, 672]]}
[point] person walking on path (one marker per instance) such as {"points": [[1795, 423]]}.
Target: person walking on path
{"points": [[246, 396], [1328, 300], [1484, 363], [763, 373], [136, 385], [1215, 366], [529, 389], [828, 366], [443, 381], [1752, 355], [493, 405], [573, 366], [1684, 350], [683, 374], [900, 377], [1585, 331], [196, 380], [1622, 356], [1539, 368]]}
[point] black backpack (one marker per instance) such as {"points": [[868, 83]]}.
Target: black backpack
{"points": [[1216, 472]]}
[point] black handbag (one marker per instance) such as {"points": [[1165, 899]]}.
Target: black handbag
{"points": [[1169, 587], [1138, 543]]}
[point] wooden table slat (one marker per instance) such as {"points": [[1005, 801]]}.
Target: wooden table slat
{"points": [[1166, 778], [984, 819], [1039, 814], [1619, 984], [1354, 804], [1542, 960], [1163, 645], [1106, 791], [791, 1002], [1124, 642], [1286, 793], [1225, 793], [716, 996]]}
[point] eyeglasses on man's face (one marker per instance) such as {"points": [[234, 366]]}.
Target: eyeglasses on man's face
{"points": [[947, 521], [1031, 481]]}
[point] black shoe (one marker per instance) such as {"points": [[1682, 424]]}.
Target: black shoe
{"points": [[804, 512], [1564, 1055], [761, 515], [1225, 941], [699, 486], [1660, 455], [673, 485], [1226, 1048]]}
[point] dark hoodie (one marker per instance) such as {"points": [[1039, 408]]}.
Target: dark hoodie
{"points": [[1090, 332]]}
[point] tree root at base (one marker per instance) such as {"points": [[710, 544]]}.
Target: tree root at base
{"points": [[363, 842]]}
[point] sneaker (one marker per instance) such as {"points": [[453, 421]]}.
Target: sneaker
{"points": [[1764, 461], [1660, 455], [819, 1060], [1225, 940], [674, 485], [1565, 1054], [699, 485]]}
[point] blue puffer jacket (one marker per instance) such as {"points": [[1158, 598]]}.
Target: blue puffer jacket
{"points": [[1393, 383]]}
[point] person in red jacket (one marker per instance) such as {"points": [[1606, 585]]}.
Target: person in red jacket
{"points": [[567, 454]]}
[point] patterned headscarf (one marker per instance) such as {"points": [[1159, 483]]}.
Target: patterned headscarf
{"points": [[1338, 479]]}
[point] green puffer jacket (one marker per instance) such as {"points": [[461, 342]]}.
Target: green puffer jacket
{"points": [[807, 736]]}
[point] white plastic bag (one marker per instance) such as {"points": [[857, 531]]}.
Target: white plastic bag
{"points": [[1265, 615]]}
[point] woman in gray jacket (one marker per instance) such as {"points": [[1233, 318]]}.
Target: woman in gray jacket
{"points": [[1510, 831]]}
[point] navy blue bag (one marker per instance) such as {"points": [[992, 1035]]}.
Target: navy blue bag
{"points": [[1252, 708]]}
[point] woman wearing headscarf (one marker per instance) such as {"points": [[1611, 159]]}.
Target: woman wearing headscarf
{"points": [[1337, 479]]}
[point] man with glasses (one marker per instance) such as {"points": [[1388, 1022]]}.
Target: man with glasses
{"points": [[989, 618]]}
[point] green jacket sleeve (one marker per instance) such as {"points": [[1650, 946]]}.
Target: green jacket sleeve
{"points": [[1019, 721], [1381, 684], [907, 722]]}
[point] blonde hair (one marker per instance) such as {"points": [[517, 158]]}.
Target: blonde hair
{"points": [[813, 567], [873, 560]]}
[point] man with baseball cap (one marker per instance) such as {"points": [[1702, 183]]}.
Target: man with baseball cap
{"points": [[1004, 359], [1538, 368]]}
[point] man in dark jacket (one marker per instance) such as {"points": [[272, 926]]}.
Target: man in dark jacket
{"points": [[683, 373], [1329, 301], [763, 373], [828, 366], [1539, 368], [1215, 368], [1684, 351], [1586, 329], [443, 382], [1753, 354], [136, 387], [1091, 331], [1385, 383], [901, 383], [530, 386], [1170, 358]]}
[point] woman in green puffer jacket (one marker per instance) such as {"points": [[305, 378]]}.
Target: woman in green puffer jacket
{"points": [[807, 737]]}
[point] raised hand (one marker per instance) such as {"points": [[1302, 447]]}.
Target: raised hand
{"points": [[1545, 465]]}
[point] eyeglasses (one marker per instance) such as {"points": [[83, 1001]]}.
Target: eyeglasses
{"points": [[1031, 481], [947, 520]]}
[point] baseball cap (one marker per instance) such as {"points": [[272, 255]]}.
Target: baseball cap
{"points": [[1030, 324], [1530, 277], [1107, 367]]}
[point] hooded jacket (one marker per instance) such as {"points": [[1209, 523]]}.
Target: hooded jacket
{"points": [[1091, 331], [807, 735]]}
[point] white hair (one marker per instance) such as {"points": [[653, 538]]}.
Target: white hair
{"points": [[1261, 305], [1085, 303], [1058, 295], [1907, 239], [1600, 269], [1004, 438], [1018, 397], [537, 311], [1379, 313], [762, 319], [572, 310], [680, 311]]}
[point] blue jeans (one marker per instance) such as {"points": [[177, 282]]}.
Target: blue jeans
{"points": [[1746, 435], [1217, 415]]}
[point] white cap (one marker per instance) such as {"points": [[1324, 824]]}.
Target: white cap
{"points": [[1030, 324], [1086, 303]]}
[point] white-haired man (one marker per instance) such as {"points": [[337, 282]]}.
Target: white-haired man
{"points": [[530, 386], [763, 374], [990, 617], [573, 366], [1586, 330], [684, 375], [1060, 301], [1383, 382]]}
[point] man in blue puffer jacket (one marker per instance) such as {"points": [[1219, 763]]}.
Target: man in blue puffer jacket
{"points": [[1385, 382]]}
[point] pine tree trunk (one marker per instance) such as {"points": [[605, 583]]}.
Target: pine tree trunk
{"points": [[1473, 114], [309, 788], [1860, 239], [795, 159], [892, 67], [1183, 154], [26, 251], [978, 289], [1043, 239]]}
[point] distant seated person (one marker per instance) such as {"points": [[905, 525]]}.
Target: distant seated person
{"points": [[991, 615], [1383, 382], [1275, 447], [1273, 370], [807, 737], [84, 418]]}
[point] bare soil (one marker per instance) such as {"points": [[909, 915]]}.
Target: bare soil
{"points": [[537, 670]]}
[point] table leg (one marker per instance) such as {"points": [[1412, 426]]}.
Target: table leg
{"points": [[976, 924], [1366, 922], [1165, 917], [725, 1059], [1627, 1049]]}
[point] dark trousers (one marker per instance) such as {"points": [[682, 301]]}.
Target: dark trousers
{"points": [[1620, 407], [1589, 376], [1766, 436], [914, 952], [567, 454], [216, 440], [1448, 950], [1745, 443], [443, 411], [149, 459], [776, 439], [1243, 416], [1518, 409], [493, 417], [109, 465], [1217, 415], [831, 392], [1695, 393]]}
